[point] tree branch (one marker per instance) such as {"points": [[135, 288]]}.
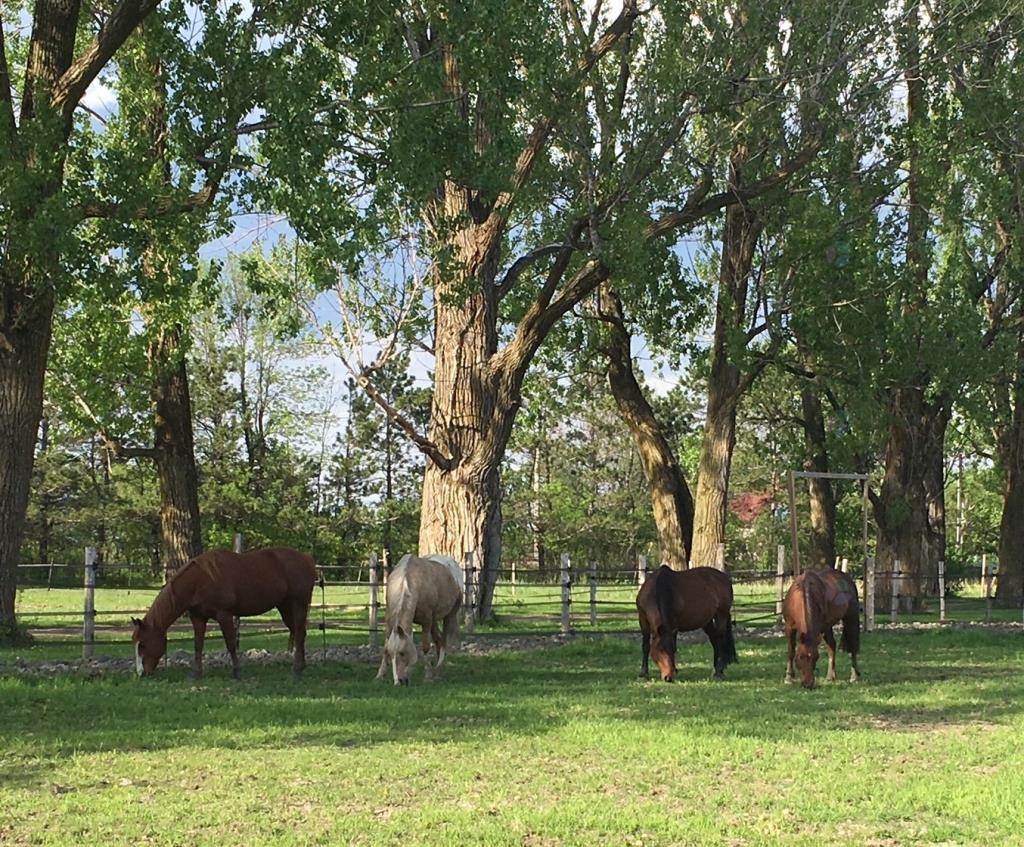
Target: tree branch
{"points": [[521, 264], [7, 124], [123, 21], [701, 206], [112, 442], [160, 207]]}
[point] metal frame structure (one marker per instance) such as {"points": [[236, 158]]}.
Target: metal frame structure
{"points": [[793, 476]]}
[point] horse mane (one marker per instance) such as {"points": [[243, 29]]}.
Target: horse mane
{"points": [[165, 610], [405, 607], [663, 595], [812, 611]]}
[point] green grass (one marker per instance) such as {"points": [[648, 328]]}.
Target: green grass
{"points": [[554, 747]]}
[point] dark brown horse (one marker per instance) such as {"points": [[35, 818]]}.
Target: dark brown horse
{"points": [[670, 602], [815, 602], [224, 585]]}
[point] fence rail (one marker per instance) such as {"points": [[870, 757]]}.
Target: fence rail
{"points": [[578, 597]]}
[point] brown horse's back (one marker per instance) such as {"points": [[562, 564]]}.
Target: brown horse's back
{"points": [[254, 582], [829, 595], [698, 594]]}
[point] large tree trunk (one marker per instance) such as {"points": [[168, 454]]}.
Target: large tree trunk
{"points": [[914, 445], [180, 535], [934, 457], [671, 500], [461, 511], [1010, 586], [820, 494], [739, 240], [25, 323]]}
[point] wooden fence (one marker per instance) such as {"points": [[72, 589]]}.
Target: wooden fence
{"points": [[581, 597]]}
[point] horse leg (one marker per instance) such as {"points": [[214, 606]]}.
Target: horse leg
{"points": [[714, 634], [427, 627], [199, 628], [645, 632], [228, 629], [285, 611], [830, 642], [790, 669], [435, 633], [300, 611]]}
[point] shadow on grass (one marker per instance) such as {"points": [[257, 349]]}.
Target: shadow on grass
{"points": [[912, 680]]}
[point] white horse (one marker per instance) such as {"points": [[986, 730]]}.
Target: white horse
{"points": [[423, 590]]}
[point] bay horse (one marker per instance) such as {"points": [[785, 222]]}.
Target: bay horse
{"points": [[817, 601], [425, 590], [223, 585], [670, 602]]}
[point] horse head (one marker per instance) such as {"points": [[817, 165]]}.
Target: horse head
{"points": [[663, 651], [150, 646], [400, 650], [807, 658]]}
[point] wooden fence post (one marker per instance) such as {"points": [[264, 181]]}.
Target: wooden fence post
{"points": [[720, 558], [593, 593], [942, 590], [641, 570], [469, 610], [374, 605], [89, 619], [869, 593], [238, 545], [513, 577], [844, 565], [894, 602], [986, 577], [780, 578], [566, 594]]}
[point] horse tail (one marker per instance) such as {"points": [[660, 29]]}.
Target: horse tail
{"points": [[663, 595], [729, 643], [850, 642]]}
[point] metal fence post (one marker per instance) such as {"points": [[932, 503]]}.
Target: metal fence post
{"points": [[869, 593], [89, 619], [780, 578], [942, 590], [374, 604], [566, 594], [469, 610], [593, 593]]}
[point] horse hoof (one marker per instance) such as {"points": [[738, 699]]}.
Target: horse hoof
{"points": [[854, 677], [643, 675], [717, 677], [788, 680]]}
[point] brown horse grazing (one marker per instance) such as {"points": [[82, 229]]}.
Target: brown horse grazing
{"points": [[425, 591], [224, 585], [815, 602], [670, 602]]}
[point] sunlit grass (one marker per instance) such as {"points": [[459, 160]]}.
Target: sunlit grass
{"points": [[558, 746]]}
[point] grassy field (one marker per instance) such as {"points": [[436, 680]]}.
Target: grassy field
{"points": [[560, 746]]}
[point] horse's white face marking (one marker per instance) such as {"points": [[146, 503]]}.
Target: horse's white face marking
{"points": [[138, 660], [394, 668]]}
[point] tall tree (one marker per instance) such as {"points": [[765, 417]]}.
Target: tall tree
{"points": [[493, 147], [55, 176]]}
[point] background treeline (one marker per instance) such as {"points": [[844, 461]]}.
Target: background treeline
{"points": [[500, 221]]}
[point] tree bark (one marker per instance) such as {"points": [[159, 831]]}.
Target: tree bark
{"points": [[25, 330], [671, 500], [821, 496], [739, 240], [180, 534], [1010, 585]]}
